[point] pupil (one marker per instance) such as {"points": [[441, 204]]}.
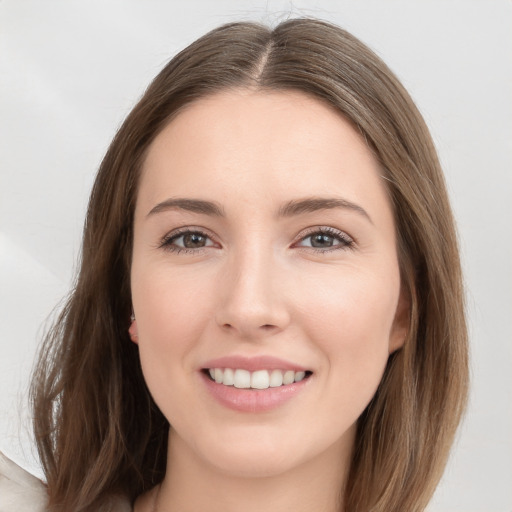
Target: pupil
{"points": [[193, 240], [322, 241]]}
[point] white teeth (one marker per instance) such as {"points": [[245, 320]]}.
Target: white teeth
{"points": [[260, 379], [299, 376], [276, 378], [229, 377], [242, 379], [288, 377]]}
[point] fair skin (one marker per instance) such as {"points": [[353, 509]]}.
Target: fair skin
{"points": [[293, 256]]}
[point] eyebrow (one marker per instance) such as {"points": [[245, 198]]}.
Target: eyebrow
{"points": [[313, 204], [191, 205], [291, 208]]}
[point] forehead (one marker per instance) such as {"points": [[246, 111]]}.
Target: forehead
{"points": [[253, 144]]}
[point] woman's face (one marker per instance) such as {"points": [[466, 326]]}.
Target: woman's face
{"points": [[264, 252]]}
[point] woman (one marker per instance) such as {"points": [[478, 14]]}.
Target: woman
{"points": [[269, 310]]}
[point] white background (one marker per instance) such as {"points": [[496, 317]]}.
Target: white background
{"points": [[69, 73]]}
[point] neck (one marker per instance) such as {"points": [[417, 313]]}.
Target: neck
{"points": [[192, 484]]}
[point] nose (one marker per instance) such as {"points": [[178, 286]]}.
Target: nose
{"points": [[252, 301]]}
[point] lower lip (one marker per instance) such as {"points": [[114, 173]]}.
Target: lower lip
{"points": [[253, 400]]}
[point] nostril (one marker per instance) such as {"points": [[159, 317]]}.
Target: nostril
{"points": [[248, 330]]}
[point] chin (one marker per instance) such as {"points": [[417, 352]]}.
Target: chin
{"points": [[255, 465], [251, 453]]}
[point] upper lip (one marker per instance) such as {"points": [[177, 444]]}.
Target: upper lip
{"points": [[253, 363]]}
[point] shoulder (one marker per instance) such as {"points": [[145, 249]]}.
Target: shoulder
{"points": [[19, 490], [23, 492]]}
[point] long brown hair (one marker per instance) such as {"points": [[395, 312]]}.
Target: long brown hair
{"points": [[97, 428]]}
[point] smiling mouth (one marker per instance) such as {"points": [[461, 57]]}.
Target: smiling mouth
{"points": [[258, 380]]}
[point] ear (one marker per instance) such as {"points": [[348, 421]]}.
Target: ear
{"points": [[401, 322], [133, 331]]}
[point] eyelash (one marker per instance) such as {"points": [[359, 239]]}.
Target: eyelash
{"points": [[346, 242], [168, 241]]}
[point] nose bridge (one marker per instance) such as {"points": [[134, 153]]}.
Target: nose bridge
{"points": [[252, 300]]}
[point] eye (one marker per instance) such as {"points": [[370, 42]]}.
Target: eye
{"points": [[188, 240], [326, 239]]}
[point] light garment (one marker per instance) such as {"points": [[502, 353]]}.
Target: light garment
{"points": [[22, 492]]}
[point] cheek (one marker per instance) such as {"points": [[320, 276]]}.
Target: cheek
{"points": [[351, 302], [172, 312], [170, 305], [350, 320]]}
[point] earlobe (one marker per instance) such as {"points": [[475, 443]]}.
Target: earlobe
{"points": [[133, 331], [401, 322]]}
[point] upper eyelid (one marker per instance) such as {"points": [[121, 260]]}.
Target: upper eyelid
{"points": [[188, 229], [324, 229]]}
